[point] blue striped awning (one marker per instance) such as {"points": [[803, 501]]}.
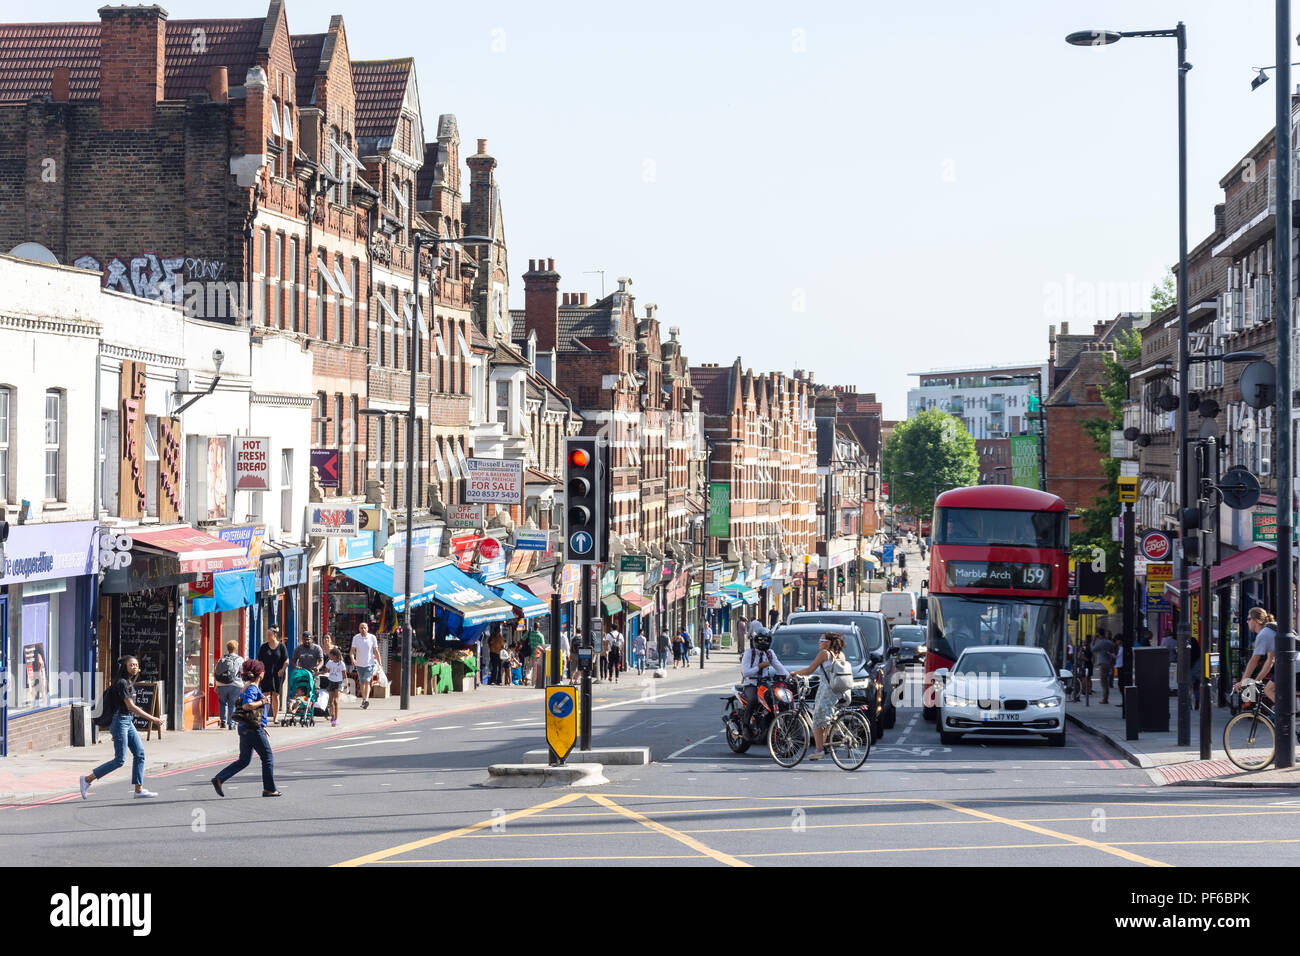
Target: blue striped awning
{"points": [[378, 576], [528, 603]]}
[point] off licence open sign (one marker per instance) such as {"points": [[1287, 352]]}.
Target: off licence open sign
{"points": [[495, 482]]}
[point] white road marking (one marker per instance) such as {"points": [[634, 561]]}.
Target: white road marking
{"points": [[691, 746], [367, 743], [490, 723], [449, 727]]}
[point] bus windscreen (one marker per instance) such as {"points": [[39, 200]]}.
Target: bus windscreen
{"points": [[990, 527], [961, 621]]}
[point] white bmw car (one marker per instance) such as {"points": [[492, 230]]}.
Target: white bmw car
{"points": [[1002, 690]]}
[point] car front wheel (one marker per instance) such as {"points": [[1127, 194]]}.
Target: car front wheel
{"points": [[1056, 740]]}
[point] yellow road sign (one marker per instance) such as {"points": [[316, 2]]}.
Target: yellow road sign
{"points": [[1128, 488], [561, 718]]}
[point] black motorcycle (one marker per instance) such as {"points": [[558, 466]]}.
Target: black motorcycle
{"points": [[772, 696]]}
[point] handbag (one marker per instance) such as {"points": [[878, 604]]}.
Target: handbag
{"points": [[252, 719]]}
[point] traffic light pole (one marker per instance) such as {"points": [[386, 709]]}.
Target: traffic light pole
{"points": [[584, 701]]}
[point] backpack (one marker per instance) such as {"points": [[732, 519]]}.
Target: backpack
{"points": [[109, 704], [841, 675], [225, 670]]}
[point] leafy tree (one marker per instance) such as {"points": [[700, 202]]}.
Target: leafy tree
{"points": [[1097, 519], [1164, 294], [938, 451]]}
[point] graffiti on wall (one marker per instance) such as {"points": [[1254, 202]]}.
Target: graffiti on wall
{"points": [[198, 283]]}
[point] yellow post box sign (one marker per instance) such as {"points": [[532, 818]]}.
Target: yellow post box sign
{"points": [[561, 718]]}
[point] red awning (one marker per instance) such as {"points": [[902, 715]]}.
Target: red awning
{"points": [[538, 586], [637, 601], [1246, 560], [197, 551]]}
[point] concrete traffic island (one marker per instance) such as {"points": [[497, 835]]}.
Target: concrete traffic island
{"points": [[608, 756], [542, 775]]}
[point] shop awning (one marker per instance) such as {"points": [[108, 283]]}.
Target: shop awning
{"points": [[197, 552], [470, 602], [378, 576], [230, 590], [746, 594], [1238, 563], [637, 603], [539, 586], [612, 604], [521, 599]]}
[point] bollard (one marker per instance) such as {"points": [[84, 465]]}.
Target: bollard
{"points": [[1132, 720]]}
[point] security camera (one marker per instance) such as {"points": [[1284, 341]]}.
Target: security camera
{"points": [[218, 357]]}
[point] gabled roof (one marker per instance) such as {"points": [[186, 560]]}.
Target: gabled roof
{"points": [[29, 52], [595, 321], [717, 387], [381, 90], [306, 61]]}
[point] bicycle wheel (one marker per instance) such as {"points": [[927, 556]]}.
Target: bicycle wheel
{"points": [[787, 739], [849, 740], [1249, 741]]}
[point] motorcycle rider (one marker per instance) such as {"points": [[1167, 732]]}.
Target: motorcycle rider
{"points": [[758, 663]]}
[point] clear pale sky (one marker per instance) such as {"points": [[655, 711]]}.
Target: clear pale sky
{"points": [[844, 187]]}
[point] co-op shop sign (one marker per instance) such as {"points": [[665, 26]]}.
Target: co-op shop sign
{"points": [[494, 481]]}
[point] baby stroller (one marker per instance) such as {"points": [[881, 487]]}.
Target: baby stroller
{"points": [[301, 709]]}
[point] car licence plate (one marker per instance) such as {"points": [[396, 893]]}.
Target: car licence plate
{"points": [[999, 715]]}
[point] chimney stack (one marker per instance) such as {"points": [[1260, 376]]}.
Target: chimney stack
{"points": [[542, 303], [131, 57], [481, 209], [59, 83], [219, 85]]}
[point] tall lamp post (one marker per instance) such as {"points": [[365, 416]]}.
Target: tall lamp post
{"points": [[1179, 34], [1042, 420], [708, 531], [417, 327]]}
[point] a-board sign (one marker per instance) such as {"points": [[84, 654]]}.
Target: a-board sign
{"points": [[148, 697], [561, 718]]}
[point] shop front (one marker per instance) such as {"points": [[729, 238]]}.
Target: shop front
{"points": [[47, 632]]}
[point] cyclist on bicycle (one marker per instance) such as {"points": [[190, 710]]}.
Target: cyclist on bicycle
{"points": [[831, 648], [1264, 627]]}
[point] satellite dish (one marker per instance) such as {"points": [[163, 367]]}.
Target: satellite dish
{"points": [[1208, 408], [1240, 489], [1258, 384], [1131, 433], [1168, 402], [34, 252], [1209, 429]]}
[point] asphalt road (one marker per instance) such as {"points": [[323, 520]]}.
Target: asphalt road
{"points": [[413, 796]]}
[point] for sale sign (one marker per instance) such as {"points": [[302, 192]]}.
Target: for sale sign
{"points": [[252, 463], [494, 481]]}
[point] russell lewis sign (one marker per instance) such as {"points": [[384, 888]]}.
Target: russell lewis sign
{"points": [[493, 481]]}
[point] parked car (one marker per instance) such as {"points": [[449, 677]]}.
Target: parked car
{"points": [[875, 632], [796, 644], [1001, 690], [910, 641]]}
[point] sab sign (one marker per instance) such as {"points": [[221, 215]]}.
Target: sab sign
{"points": [[1156, 546], [340, 522]]}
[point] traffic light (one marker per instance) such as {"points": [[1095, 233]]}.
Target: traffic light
{"points": [[585, 529]]}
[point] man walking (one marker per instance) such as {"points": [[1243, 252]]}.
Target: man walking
{"points": [[365, 657], [308, 656], [1103, 656], [707, 638]]}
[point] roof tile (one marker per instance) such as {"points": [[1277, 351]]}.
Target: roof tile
{"points": [[381, 89]]}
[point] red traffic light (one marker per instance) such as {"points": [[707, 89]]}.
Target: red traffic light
{"points": [[579, 458]]}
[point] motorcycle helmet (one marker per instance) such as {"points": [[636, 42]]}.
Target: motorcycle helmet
{"points": [[761, 639]]}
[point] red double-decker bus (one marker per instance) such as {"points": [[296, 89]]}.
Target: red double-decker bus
{"points": [[999, 574]]}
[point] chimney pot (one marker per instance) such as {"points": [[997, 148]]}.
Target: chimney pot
{"points": [[584, 298], [59, 84], [532, 265], [219, 87], [550, 265], [482, 147]]}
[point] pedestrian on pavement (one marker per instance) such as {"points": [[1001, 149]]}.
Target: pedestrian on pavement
{"points": [[228, 685], [615, 653], [638, 652], [118, 711], [335, 673], [1196, 673], [275, 662], [661, 649], [1103, 655], [679, 649], [773, 616], [252, 734], [308, 656], [706, 639], [1169, 643], [365, 657]]}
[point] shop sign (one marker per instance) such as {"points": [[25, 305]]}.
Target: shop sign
{"points": [[326, 463], [632, 564], [719, 509], [1156, 546], [465, 516], [271, 573], [359, 547], [489, 549], [252, 463], [463, 548], [608, 583], [248, 537], [132, 495], [42, 552], [348, 602], [334, 521], [526, 540], [1024, 460], [495, 481], [1264, 526], [169, 470], [217, 506], [569, 581], [295, 570]]}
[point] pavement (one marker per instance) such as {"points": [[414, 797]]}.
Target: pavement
{"points": [[1158, 752], [33, 778]]}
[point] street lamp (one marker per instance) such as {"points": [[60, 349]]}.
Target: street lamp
{"points": [[708, 530], [1042, 418], [1178, 33]]}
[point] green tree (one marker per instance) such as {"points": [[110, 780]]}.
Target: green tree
{"points": [[939, 453], [1097, 519], [1163, 295]]}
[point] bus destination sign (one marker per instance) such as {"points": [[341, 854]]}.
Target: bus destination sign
{"points": [[999, 574]]}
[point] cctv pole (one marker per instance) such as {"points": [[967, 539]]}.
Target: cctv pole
{"points": [[1284, 672]]}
